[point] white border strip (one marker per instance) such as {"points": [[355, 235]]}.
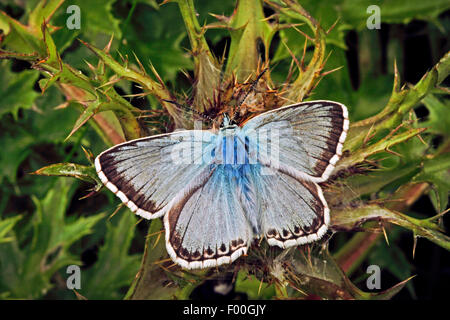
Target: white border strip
{"points": [[130, 204]]}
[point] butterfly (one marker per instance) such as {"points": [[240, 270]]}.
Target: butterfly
{"points": [[219, 190]]}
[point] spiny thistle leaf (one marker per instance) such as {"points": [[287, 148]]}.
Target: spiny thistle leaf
{"points": [[85, 173], [351, 218]]}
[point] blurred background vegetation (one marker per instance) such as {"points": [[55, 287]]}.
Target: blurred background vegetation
{"points": [[46, 223]]}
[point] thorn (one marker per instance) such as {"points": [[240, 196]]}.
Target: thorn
{"points": [[260, 285], [122, 58], [396, 77], [79, 296], [439, 215], [171, 266], [326, 59], [93, 69], [302, 61], [154, 234], [421, 140], [157, 240], [332, 27], [139, 221], [304, 34], [61, 106], [90, 194], [108, 45], [143, 94], [385, 234], [120, 206], [220, 17], [299, 65], [156, 74], [272, 16], [394, 131], [114, 81], [444, 89], [414, 246], [331, 71], [88, 154], [393, 152], [162, 261], [140, 64], [368, 135]]}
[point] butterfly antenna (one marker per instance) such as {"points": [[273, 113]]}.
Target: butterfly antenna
{"points": [[186, 108], [252, 88]]}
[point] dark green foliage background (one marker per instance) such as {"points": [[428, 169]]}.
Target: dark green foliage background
{"points": [[48, 226]]}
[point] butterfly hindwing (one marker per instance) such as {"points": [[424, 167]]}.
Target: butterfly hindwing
{"points": [[206, 224], [306, 137], [147, 173], [291, 211]]}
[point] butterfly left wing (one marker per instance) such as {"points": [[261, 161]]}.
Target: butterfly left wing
{"points": [[147, 173], [206, 224]]}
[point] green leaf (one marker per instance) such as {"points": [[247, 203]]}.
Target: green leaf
{"points": [[438, 120], [391, 257], [16, 89], [149, 283], [15, 149], [26, 271], [392, 11], [97, 17], [38, 125], [85, 173], [42, 12], [6, 225], [437, 172], [20, 38], [115, 267], [254, 288]]}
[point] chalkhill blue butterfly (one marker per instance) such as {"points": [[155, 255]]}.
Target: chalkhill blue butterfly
{"points": [[220, 189]]}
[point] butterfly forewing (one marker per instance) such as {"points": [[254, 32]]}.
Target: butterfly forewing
{"points": [[146, 174], [307, 137]]}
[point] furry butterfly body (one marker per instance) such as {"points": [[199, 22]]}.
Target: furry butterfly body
{"points": [[217, 191]]}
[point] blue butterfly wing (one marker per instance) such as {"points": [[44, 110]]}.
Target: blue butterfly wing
{"points": [[305, 138], [291, 211], [146, 174], [206, 224]]}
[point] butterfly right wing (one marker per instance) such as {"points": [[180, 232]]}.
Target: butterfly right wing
{"points": [[305, 138], [147, 173], [291, 211]]}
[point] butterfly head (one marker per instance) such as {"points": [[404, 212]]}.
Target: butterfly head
{"points": [[228, 123]]}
